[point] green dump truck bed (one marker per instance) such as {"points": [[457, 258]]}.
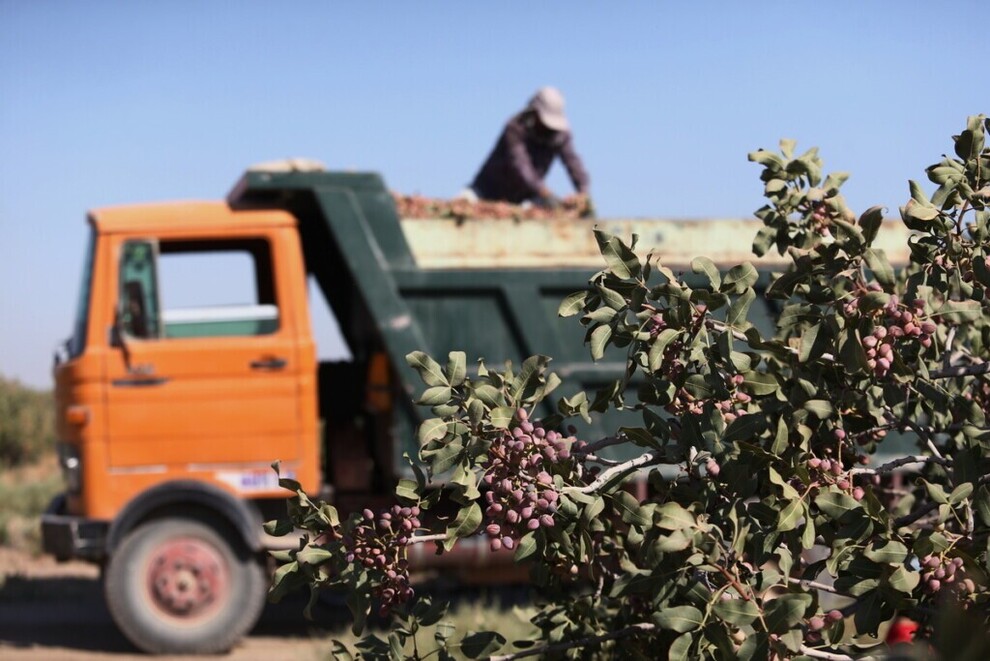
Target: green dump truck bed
{"points": [[489, 287]]}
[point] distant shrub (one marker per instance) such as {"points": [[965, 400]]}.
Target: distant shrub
{"points": [[27, 428]]}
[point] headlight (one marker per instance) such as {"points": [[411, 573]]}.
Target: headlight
{"points": [[71, 464]]}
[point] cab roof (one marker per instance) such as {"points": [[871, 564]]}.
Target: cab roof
{"points": [[190, 215]]}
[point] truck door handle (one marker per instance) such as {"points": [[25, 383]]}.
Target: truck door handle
{"points": [[140, 382], [269, 364]]}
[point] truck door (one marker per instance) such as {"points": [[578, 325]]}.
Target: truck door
{"points": [[205, 378]]}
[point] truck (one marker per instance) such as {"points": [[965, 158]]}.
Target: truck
{"points": [[171, 406]]}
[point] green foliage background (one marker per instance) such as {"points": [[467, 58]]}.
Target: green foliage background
{"points": [[27, 428]]}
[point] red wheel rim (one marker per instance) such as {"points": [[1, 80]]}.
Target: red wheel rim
{"points": [[188, 579]]}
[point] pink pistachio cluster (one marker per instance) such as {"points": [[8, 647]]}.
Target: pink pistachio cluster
{"points": [[672, 366], [521, 496], [378, 542], [939, 572], [831, 471], [734, 406], [819, 622], [820, 218], [894, 323]]}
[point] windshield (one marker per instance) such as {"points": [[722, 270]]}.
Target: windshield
{"points": [[77, 342]]}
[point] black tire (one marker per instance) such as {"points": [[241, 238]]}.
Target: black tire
{"points": [[179, 586]]}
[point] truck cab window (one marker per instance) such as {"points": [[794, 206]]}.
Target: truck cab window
{"points": [[138, 309], [77, 342], [205, 289]]}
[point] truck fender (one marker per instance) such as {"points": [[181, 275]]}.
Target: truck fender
{"points": [[171, 497]]}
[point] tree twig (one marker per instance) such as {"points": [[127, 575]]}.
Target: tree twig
{"points": [[962, 370], [897, 463], [908, 519], [814, 585], [635, 629], [820, 654], [423, 539], [645, 459]]}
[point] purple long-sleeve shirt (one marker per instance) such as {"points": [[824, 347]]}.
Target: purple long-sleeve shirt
{"points": [[514, 171]]}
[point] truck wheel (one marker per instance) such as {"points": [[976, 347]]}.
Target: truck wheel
{"points": [[177, 586]]}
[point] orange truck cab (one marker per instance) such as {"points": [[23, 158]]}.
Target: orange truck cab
{"points": [[192, 367]]}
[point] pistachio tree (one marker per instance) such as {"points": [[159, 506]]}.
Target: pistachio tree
{"points": [[773, 523]]}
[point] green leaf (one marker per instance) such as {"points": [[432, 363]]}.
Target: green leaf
{"points": [[483, 643], [592, 510], [428, 369], [707, 267], [745, 428], [525, 547], [904, 580], [611, 298], [870, 222], [431, 430], [630, 510], [659, 346], [785, 611], [764, 239], [599, 340], [811, 346], [889, 552], [877, 260], [918, 193], [982, 504], [790, 515], [680, 649], [279, 527], [767, 159], [758, 383], [501, 417], [674, 542], [961, 493], [435, 396], [489, 395], [339, 652], [456, 367], [444, 631], [621, 260], [739, 278], [601, 315], [836, 504], [573, 304], [673, 516], [395, 646], [429, 612], [960, 312], [820, 408], [531, 369], [737, 611], [917, 216], [465, 524], [679, 618], [738, 314], [407, 489]]}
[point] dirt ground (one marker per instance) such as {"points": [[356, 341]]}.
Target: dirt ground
{"points": [[52, 611]]}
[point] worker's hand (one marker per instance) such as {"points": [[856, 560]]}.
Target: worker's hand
{"points": [[587, 207], [546, 200]]}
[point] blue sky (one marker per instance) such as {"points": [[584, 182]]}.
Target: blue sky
{"points": [[110, 102]]}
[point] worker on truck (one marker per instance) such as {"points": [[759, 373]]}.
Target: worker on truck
{"points": [[525, 150]]}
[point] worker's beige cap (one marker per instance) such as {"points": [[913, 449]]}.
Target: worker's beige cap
{"points": [[548, 103]]}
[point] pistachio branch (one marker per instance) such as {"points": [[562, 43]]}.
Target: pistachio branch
{"points": [[645, 459], [893, 465], [633, 630], [820, 654], [424, 539]]}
